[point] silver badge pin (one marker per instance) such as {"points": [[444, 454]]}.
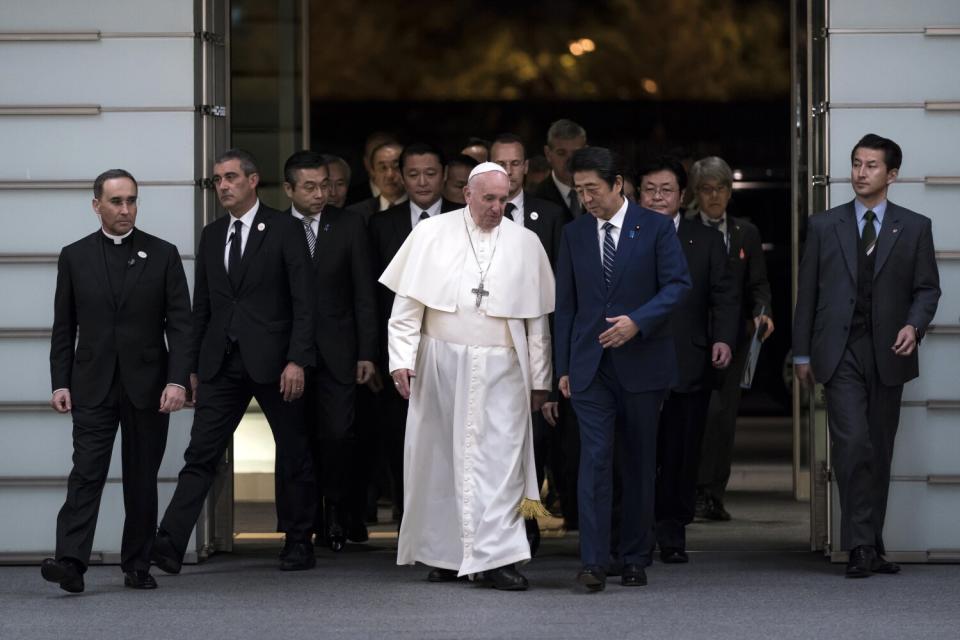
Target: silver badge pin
{"points": [[142, 254], [534, 215], [261, 227]]}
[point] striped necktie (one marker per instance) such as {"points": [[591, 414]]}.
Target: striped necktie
{"points": [[868, 237], [311, 236], [609, 251]]}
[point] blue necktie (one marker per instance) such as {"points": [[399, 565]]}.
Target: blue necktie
{"points": [[609, 251]]}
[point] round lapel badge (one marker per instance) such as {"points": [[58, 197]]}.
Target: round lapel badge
{"points": [[142, 254], [261, 227], [534, 215]]}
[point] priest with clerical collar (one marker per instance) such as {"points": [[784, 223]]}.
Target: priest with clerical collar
{"points": [[469, 346]]}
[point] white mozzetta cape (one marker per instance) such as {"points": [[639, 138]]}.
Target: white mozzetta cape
{"points": [[429, 268]]}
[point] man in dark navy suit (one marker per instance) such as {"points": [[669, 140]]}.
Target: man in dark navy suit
{"points": [[253, 335], [124, 293], [620, 275]]}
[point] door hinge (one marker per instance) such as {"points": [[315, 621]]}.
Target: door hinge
{"points": [[211, 37], [819, 180], [215, 110]]}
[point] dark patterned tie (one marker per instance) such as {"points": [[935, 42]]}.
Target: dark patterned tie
{"points": [[868, 238], [509, 210], [424, 215], [609, 252], [311, 236], [233, 261]]}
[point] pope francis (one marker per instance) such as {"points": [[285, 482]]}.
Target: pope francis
{"points": [[470, 347]]}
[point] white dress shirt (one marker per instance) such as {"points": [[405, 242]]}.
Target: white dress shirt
{"points": [[617, 222], [518, 212], [314, 220], [247, 220], [386, 204], [415, 211]]}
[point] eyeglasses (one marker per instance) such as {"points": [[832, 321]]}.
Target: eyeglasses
{"points": [[712, 191], [665, 192]]}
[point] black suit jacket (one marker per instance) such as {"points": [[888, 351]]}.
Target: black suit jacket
{"points": [[748, 267], [711, 310], [547, 224], [346, 326], [906, 289], [154, 304], [387, 231], [366, 208], [547, 190], [271, 313]]}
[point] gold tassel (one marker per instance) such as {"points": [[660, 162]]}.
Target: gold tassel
{"points": [[530, 509]]}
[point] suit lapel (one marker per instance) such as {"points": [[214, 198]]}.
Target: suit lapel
{"points": [[849, 237], [133, 271], [889, 232], [632, 229], [254, 240]]}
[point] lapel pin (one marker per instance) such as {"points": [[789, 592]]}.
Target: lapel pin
{"points": [[261, 227], [895, 230], [326, 227], [142, 254], [534, 215]]}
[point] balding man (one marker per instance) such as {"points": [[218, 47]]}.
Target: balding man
{"points": [[470, 317]]}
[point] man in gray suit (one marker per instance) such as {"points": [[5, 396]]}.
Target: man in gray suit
{"points": [[868, 287]]}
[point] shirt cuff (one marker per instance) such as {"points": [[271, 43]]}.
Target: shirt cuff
{"points": [[61, 389], [174, 384], [801, 359]]}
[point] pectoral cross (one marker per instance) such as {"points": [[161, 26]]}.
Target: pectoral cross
{"points": [[479, 292]]}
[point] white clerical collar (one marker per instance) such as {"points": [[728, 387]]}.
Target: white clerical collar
{"points": [[617, 219], [247, 218], [564, 189], [432, 210], [297, 214], [518, 200], [117, 239]]}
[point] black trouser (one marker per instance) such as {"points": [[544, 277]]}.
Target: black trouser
{"points": [[143, 438], [565, 461], [863, 416], [394, 424], [716, 453], [329, 409], [367, 468], [679, 438], [220, 407]]}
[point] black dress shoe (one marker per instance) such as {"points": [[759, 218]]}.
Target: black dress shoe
{"points": [[533, 535], [713, 509], [357, 532], [164, 554], [592, 578], [297, 555], [633, 576], [139, 579], [505, 579], [336, 533], [442, 575], [879, 565], [673, 555], [861, 559], [64, 572]]}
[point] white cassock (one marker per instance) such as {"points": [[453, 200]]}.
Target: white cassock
{"points": [[468, 455]]}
